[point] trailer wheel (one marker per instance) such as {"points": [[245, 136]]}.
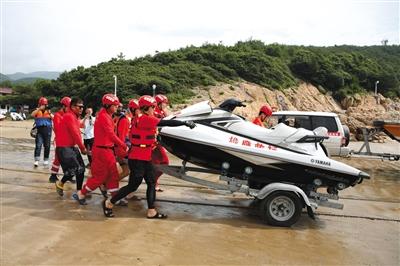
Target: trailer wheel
{"points": [[281, 208]]}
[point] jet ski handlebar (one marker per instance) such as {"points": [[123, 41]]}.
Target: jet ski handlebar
{"points": [[312, 139], [230, 104]]}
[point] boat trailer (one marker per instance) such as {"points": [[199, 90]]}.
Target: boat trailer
{"points": [[390, 128], [280, 204]]}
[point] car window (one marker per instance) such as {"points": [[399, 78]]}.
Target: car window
{"points": [[296, 121], [303, 122], [324, 121], [274, 120]]}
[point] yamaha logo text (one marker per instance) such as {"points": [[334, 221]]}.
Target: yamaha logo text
{"points": [[321, 162]]}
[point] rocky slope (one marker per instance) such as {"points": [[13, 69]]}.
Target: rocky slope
{"points": [[355, 111]]}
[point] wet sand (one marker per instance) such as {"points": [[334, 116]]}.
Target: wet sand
{"points": [[204, 226]]}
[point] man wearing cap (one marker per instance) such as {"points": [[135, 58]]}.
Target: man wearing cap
{"points": [[143, 138], [68, 137], [159, 155], [263, 114], [43, 117], [103, 168], [65, 103]]}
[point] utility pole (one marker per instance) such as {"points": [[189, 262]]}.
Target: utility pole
{"points": [[154, 89], [376, 92], [115, 85]]}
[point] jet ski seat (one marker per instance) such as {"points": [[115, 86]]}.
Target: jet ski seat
{"points": [[279, 133]]}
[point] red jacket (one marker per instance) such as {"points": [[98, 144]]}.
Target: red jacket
{"points": [[258, 122], [57, 120], [122, 131], [142, 128], [159, 113], [104, 134], [68, 132], [122, 127]]}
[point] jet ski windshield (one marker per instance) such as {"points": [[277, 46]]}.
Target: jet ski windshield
{"points": [[201, 108]]}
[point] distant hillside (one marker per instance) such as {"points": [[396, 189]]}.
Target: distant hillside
{"points": [[3, 77], [340, 70], [25, 81], [38, 74]]}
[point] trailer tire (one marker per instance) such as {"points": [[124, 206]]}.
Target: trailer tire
{"points": [[281, 208]]}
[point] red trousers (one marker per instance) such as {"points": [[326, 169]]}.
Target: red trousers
{"points": [[104, 171], [55, 165], [159, 156]]}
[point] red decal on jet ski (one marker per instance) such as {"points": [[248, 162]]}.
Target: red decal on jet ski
{"points": [[246, 143], [233, 140], [272, 148], [259, 145]]}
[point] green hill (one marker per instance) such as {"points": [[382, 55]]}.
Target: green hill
{"points": [[25, 80], [342, 70], [37, 75], [3, 77]]}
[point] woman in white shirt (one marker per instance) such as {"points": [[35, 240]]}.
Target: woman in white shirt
{"points": [[88, 132]]}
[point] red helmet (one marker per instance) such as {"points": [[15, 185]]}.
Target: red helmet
{"points": [[161, 99], [110, 99], [133, 104], [147, 100], [266, 110], [66, 101], [43, 101]]}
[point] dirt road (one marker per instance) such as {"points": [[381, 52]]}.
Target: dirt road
{"points": [[204, 227]]}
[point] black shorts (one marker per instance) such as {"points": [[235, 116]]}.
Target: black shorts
{"points": [[71, 160]]}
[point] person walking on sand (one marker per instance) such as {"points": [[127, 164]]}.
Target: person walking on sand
{"points": [[68, 137], [159, 155], [121, 122], [43, 120], [55, 167], [88, 132], [143, 138], [103, 168]]}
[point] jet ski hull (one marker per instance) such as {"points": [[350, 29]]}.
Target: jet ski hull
{"points": [[212, 157]]}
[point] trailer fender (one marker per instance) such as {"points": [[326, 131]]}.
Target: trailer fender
{"points": [[268, 189]]}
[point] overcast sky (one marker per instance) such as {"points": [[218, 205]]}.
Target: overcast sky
{"points": [[59, 35]]}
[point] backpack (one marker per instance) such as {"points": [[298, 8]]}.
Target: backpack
{"points": [[34, 131]]}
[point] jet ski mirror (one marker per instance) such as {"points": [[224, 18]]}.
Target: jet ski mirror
{"points": [[230, 104]]}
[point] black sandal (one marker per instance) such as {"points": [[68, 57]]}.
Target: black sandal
{"points": [[80, 201], [108, 212], [158, 216]]}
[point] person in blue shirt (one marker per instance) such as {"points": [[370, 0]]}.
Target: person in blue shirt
{"points": [[43, 120]]}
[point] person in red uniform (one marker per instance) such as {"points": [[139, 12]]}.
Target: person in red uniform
{"points": [[265, 112], [134, 109], [121, 123], [68, 136], [159, 155], [65, 103], [103, 168], [143, 138]]}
